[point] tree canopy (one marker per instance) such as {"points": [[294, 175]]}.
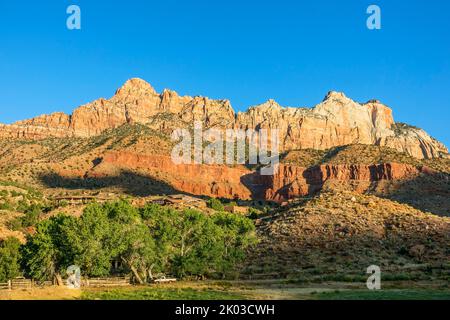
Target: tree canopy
{"points": [[143, 241]]}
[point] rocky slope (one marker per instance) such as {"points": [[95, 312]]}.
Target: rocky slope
{"points": [[336, 121], [340, 234]]}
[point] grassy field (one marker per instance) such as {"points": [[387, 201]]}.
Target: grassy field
{"points": [[270, 290], [385, 295], [155, 293], [264, 291]]}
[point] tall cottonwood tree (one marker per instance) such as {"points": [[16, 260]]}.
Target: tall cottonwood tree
{"points": [[49, 252], [9, 259]]}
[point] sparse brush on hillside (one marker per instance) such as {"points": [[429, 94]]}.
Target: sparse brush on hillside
{"points": [[31, 192], [118, 138], [20, 206], [59, 149], [401, 128], [360, 154]]}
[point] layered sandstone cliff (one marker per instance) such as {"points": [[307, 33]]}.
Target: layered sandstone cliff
{"points": [[336, 121], [239, 182], [205, 180], [292, 181]]}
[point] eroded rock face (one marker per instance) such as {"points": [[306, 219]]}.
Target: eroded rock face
{"points": [[339, 121], [242, 183], [207, 180], [291, 181], [336, 121]]}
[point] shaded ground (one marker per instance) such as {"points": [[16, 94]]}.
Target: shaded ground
{"points": [[127, 182], [429, 193]]}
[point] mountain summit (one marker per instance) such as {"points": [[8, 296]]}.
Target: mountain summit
{"points": [[336, 121]]}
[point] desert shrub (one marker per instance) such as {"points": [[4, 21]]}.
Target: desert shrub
{"points": [[15, 193], [15, 224], [215, 204], [253, 213], [31, 217], [62, 204], [22, 205], [6, 206]]}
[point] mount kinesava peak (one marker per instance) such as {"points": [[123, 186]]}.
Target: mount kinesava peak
{"points": [[336, 121]]}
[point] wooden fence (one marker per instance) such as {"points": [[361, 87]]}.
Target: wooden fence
{"points": [[106, 282], [5, 286], [21, 283]]}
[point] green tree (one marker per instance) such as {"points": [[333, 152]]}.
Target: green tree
{"points": [[9, 259], [147, 240], [163, 226], [90, 241], [197, 244], [237, 235], [131, 241], [186, 241], [150, 210], [49, 252]]}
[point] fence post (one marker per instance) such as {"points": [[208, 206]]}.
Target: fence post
{"points": [[9, 285]]}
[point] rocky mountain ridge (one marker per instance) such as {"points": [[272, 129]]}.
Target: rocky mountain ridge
{"points": [[336, 121]]}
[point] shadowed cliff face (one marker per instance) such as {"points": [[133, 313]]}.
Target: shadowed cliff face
{"points": [[336, 121], [203, 180], [139, 174], [240, 182]]}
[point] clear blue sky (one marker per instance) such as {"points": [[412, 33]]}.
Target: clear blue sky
{"points": [[246, 51]]}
